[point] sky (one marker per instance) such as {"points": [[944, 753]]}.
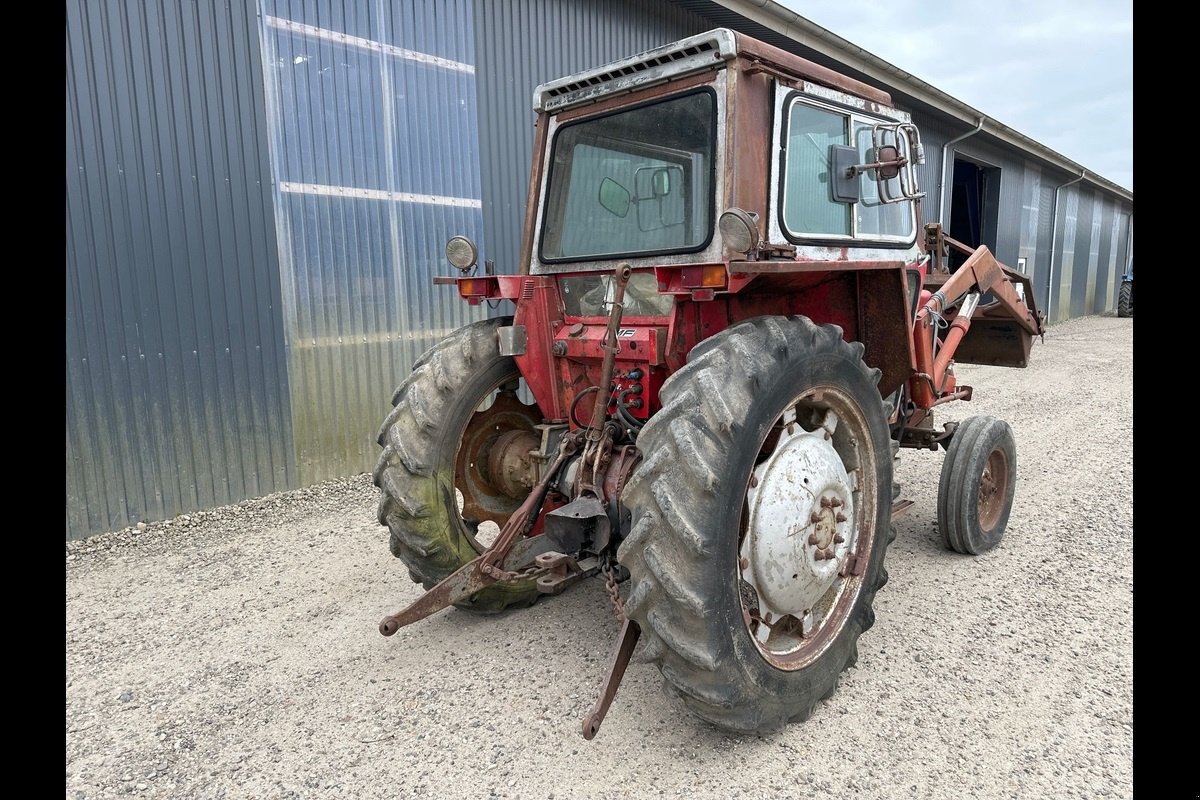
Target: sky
{"points": [[1058, 71]]}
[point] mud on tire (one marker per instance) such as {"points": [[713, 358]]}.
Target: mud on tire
{"points": [[416, 470], [688, 501]]}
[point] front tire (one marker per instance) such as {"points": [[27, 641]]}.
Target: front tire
{"points": [[760, 518], [977, 484], [458, 399]]}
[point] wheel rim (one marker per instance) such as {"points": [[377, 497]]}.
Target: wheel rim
{"points": [[500, 418], [807, 531], [993, 488]]}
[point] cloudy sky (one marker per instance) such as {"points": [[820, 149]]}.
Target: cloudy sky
{"points": [[1058, 71]]}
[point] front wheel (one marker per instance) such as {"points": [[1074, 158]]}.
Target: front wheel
{"points": [[978, 480], [760, 520]]}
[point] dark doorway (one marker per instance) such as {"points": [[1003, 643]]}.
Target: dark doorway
{"points": [[974, 207]]}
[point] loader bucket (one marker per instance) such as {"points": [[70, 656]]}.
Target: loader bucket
{"points": [[996, 338]]}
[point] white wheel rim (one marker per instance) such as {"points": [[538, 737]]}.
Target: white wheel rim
{"points": [[803, 527]]}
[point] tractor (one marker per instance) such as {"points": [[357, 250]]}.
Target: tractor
{"points": [[729, 316]]}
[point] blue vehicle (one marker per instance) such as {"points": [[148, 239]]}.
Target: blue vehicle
{"points": [[1125, 295]]}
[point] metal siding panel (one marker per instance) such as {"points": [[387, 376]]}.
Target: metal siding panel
{"points": [[1031, 213], [1082, 260], [1045, 242], [107, 299], [374, 121], [1105, 294], [934, 136], [1069, 212], [1097, 210], [1008, 226], [1117, 254], [164, 207]]}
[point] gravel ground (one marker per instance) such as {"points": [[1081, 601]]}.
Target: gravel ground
{"points": [[234, 652]]}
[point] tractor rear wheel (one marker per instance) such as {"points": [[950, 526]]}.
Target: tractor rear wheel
{"points": [[440, 442], [978, 480], [1125, 300], [760, 517]]}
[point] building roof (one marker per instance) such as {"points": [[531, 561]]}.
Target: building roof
{"points": [[805, 32]]}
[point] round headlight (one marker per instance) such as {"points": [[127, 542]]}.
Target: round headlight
{"points": [[739, 230], [462, 253]]}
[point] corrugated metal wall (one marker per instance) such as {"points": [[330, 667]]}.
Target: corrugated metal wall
{"points": [[522, 43], [176, 385], [376, 164]]}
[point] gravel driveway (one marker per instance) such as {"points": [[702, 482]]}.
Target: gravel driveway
{"points": [[234, 653]]}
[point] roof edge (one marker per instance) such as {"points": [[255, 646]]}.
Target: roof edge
{"points": [[770, 14]]}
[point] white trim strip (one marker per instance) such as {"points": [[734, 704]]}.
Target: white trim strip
{"points": [[367, 44], [378, 194]]}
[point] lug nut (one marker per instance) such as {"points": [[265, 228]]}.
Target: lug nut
{"points": [[826, 502], [813, 538], [815, 518], [838, 539], [840, 517], [836, 502]]}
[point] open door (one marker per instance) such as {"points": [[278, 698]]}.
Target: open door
{"points": [[974, 206]]}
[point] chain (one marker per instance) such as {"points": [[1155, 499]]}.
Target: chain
{"points": [[610, 583], [497, 573]]}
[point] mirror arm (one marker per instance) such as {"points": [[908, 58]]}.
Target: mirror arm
{"points": [[859, 169]]}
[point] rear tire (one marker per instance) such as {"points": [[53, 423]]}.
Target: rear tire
{"points": [[1125, 300], [711, 454], [977, 484], [432, 413]]}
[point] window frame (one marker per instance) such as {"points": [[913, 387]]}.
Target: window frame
{"points": [[853, 116], [710, 224]]}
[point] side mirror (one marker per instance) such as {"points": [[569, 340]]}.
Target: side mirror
{"points": [[658, 193], [889, 160], [843, 178], [614, 198], [661, 182]]}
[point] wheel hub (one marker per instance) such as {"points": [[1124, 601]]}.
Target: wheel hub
{"points": [[993, 484], [800, 525], [492, 466]]}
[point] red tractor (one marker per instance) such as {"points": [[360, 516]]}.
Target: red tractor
{"points": [[729, 317]]}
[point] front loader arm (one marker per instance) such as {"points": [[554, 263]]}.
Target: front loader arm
{"points": [[981, 272], [1010, 323]]}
